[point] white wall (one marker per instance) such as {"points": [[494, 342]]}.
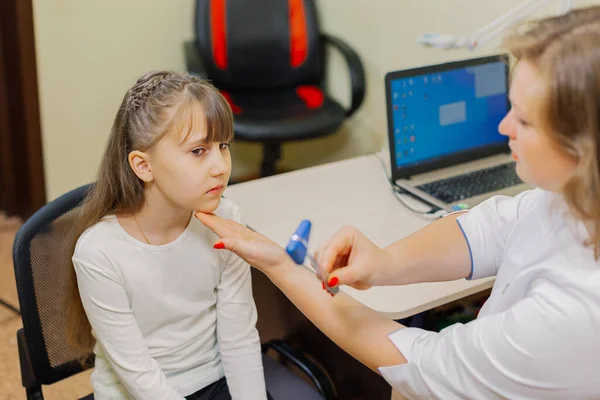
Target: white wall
{"points": [[90, 52]]}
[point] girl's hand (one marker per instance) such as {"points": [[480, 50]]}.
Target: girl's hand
{"points": [[254, 248], [352, 259]]}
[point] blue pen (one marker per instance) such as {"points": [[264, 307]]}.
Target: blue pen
{"points": [[297, 249]]}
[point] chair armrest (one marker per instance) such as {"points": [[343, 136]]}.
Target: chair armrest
{"points": [[31, 385], [312, 370], [357, 71], [193, 61]]}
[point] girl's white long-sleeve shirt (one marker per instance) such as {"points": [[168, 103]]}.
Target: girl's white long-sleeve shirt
{"points": [[170, 319], [538, 334]]}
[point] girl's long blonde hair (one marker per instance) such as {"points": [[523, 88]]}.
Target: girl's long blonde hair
{"points": [[566, 51], [148, 111]]}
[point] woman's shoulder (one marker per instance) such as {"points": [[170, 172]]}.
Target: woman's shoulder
{"points": [[532, 200], [543, 205]]}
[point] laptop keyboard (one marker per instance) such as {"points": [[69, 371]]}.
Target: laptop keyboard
{"points": [[473, 183]]}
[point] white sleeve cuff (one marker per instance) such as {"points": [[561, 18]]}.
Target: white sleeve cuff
{"points": [[404, 378]]}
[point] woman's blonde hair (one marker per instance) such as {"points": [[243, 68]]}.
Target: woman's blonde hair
{"points": [[566, 51], [150, 109]]}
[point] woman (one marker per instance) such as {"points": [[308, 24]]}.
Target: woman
{"points": [[537, 335]]}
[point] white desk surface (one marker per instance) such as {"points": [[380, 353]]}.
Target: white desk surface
{"points": [[349, 192]]}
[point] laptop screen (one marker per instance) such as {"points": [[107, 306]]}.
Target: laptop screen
{"points": [[447, 111]]}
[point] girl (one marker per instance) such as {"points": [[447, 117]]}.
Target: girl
{"points": [[170, 317], [537, 336]]}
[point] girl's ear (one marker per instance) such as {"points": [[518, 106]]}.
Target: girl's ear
{"points": [[140, 164]]}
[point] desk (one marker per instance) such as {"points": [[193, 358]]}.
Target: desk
{"points": [[349, 192]]}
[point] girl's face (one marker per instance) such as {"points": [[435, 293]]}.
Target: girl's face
{"points": [[187, 171], [540, 161]]}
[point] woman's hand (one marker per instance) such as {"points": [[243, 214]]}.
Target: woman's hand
{"points": [[352, 259], [257, 250]]}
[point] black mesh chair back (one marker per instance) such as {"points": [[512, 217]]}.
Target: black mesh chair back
{"points": [[41, 263]]}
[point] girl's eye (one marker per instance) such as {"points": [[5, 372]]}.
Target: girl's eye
{"points": [[198, 151], [522, 122], [224, 146]]}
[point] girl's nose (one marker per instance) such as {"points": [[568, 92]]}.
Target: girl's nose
{"points": [[219, 163]]}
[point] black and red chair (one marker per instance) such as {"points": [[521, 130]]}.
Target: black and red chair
{"points": [[268, 58]]}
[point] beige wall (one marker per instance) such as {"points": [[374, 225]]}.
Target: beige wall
{"points": [[90, 52]]}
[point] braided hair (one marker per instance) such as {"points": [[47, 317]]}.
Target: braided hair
{"points": [[143, 89]]}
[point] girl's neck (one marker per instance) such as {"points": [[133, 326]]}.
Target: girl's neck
{"points": [[161, 221]]}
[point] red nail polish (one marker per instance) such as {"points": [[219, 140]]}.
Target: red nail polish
{"points": [[323, 283], [219, 245], [333, 281]]}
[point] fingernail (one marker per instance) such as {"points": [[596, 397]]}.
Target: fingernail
{"points": [[323, 283], [333, 281], [219, 245]]}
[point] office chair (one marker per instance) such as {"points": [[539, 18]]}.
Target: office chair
{"points": [[39, 255], [268, 59]]}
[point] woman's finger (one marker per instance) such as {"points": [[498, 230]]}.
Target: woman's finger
{"points": [[218, 225], [208, 220], [320, 251], [339, 245], [228, 244], [343, 276], [340, 262]]}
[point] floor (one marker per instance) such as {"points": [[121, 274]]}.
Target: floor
{"points": [[10, 375]]}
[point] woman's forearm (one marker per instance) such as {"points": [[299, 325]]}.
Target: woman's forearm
{"points": [[360, 331], [438, 252]]}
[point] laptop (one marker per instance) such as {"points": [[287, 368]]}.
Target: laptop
{"points": [[445, 148]]}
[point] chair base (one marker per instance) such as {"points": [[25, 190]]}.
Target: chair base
{"points": [[34, 393]]}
